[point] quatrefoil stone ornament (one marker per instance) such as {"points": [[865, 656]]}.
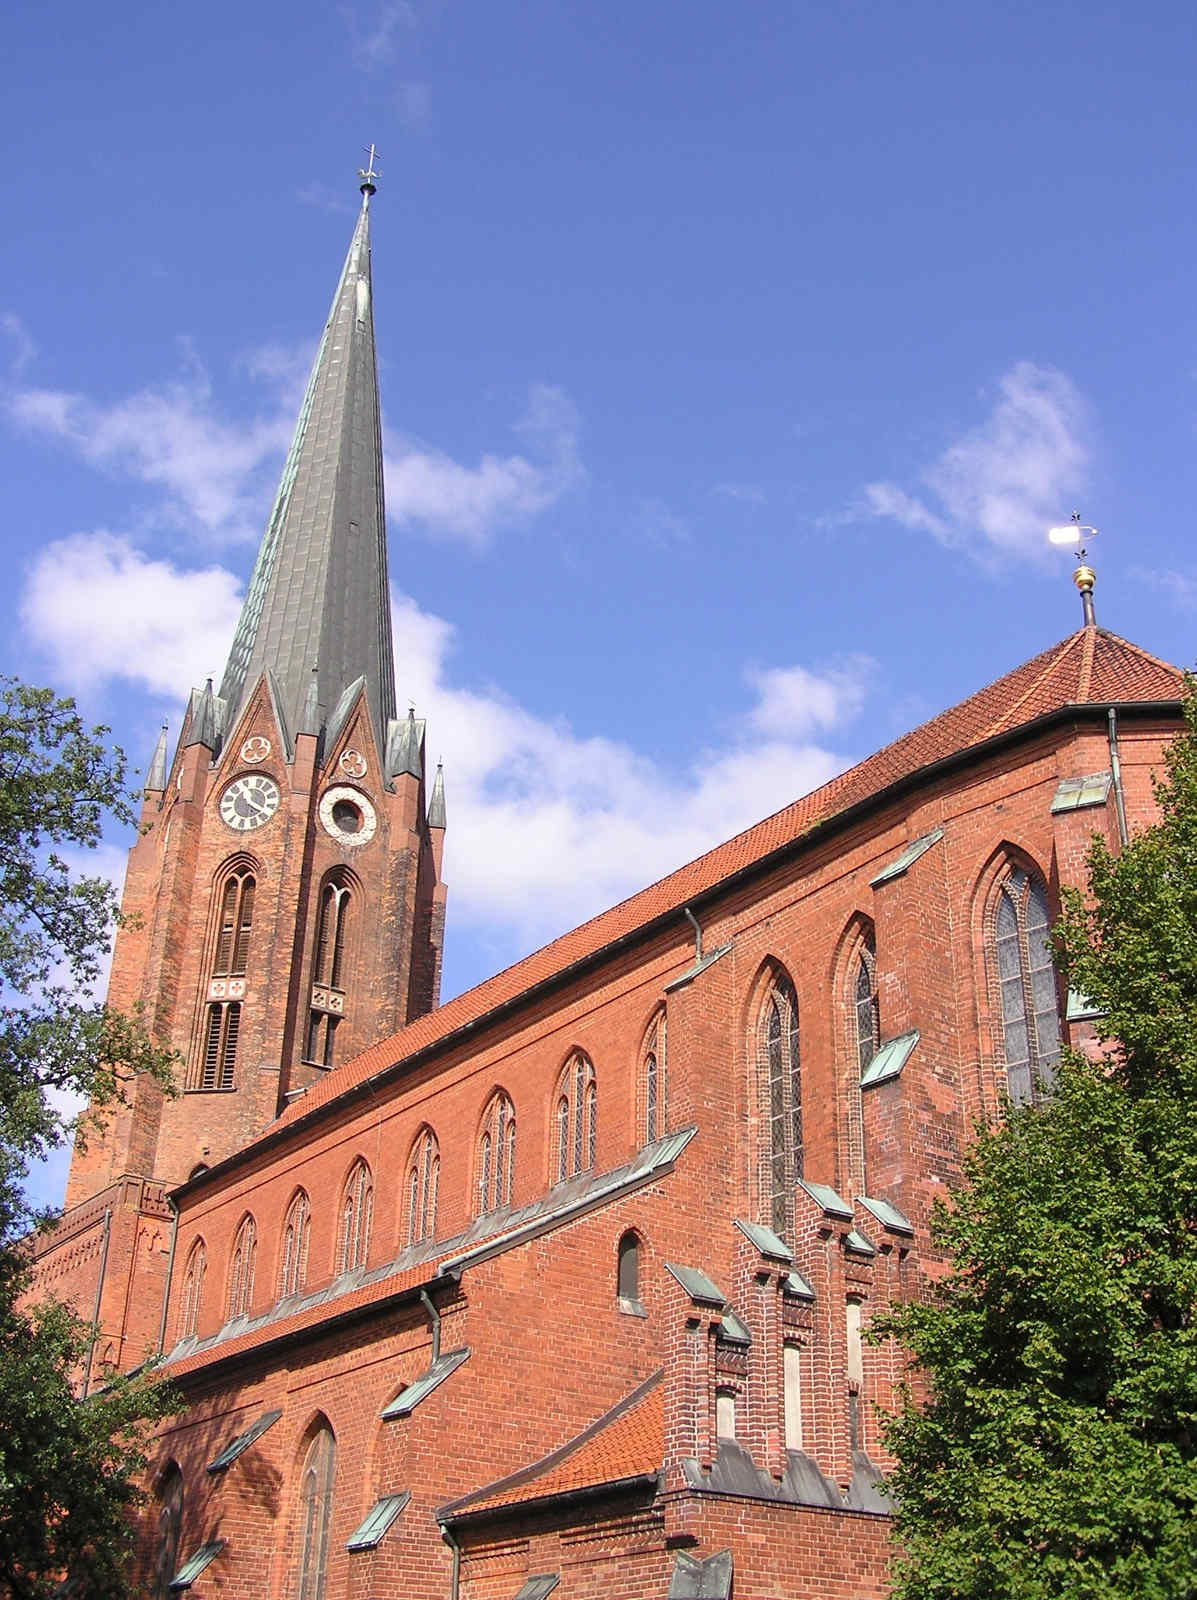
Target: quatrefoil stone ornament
{"points": [[353, 764]]}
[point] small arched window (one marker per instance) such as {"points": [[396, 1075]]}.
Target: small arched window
{"points": [[867, 1015], [217, 1064], [330, 962], [628, 1268], [423, 1182], [496, 1154], [193, 1289], [331, 939], [577, 1118], [1026, 979], [241, 1270], [170, 1523], [357, 1213], [234, 926], [293, 1268], [780, 1079], [653, 1074], [315, 1514]]}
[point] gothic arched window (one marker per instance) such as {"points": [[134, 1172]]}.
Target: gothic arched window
{"points": [[423, 1182], [193, 1289], [234, 925], [241, 1270], [357, 1213], [1026, 980], [315, 1514], [653, 1074], [293, 1269], [577, 1118], [330, 964], [866, 1013], [170, 1524], [780, 1080], [222, 1028], [496, 1154]]}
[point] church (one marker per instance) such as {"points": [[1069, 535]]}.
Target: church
{"points": [[561, 1287]]}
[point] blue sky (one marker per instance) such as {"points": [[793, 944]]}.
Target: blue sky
{"points": [[734, 360]]}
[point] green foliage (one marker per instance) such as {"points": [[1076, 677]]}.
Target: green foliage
{"points": [[68, 1467], [1057, 1452]]}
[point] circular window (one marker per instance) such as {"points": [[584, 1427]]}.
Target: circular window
{"points": [[347, 817]]}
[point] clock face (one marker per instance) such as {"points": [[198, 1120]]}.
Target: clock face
{"points": [[347, 816], [249, 802]]}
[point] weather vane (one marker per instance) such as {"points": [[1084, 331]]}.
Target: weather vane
{"points": [[368, 175], [1078, 533]]}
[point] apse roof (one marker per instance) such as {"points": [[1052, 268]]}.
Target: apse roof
{"points": [[625, 1443], [1091, 667]]}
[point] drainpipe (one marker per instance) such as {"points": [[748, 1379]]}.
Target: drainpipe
{"points": [[434, 1318], [1116, 772], [455, 1577], [170, 1267], [95, 1315], [693, 921]]}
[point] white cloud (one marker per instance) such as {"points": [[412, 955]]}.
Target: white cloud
{"points": [[169, 437], [374, 32], [23, 347], [999, 486], [427, 487], [101, 609], [546, 827]]}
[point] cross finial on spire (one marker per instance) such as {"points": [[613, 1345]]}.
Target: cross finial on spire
{"points": [[368, 176]]}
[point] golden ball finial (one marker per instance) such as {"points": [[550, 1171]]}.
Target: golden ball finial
{"points": [[1084, 577]]}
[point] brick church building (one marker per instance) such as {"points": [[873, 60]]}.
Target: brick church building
{"points": [[559, 1287]]}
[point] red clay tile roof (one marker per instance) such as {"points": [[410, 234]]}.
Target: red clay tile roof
{"points": [[626, 1442], [1090, 667]]}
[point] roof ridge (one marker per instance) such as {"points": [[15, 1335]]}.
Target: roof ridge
{"points": [[1056, 657], [1087, 655], [1137, 649]]}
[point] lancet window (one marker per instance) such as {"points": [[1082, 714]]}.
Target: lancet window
{"points": [[315, 1514], [780, 1079], [576, 1118], [193, 1289], [867, 1015], [496, 1154], [423, 1182], [330, 969], [1026, 981], [357, 1214], [293, 1268], [653, 1076], [170, 1523], [234, 926], [241, 1270]]}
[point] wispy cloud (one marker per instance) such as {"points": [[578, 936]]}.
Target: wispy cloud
{"points": [[1179, 587], [21, 344], [427, 488], [375, 31], [1000, 485], [748, 493], [657, 523]]}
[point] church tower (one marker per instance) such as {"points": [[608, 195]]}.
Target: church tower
{"points": [[283, 899]]}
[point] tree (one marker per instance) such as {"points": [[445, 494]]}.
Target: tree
{"points": [[67, 1467], [1056, 1453]]}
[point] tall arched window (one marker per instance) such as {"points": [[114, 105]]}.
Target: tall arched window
{"points": [[357, 1213], [315, 1514], [653, 1074], [241, 1270], [780, 1079], [293, 1268], [329, 968], [170, 1523], [234, 925], [496, 1154], [193, 1289], [867, 1015], [423, 1181], [1026, 979], [577, 1118], [627, 1278]]}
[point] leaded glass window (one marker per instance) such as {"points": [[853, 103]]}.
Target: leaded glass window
{"points": [[357, 1213], [577, 1119], [496, 1154], [241, 1273], [1026, 979], [781, 1087], [294, 1267], [315, 1515], [423, 1181]]}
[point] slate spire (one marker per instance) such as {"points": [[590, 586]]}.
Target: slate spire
{"points": [[318, 592], [155, 777]]}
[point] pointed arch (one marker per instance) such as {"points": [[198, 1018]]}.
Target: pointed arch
{"points": [[293, 1258], [775, 1048], [654, 1077], [1022, 979], [495, 1161], [860, 1010], [575, 1118], [317, 1479], [423, 1185], [338, 900], [628, 1258], [357, 1215], [191, 1301], [168, 1494], [241, 1267]]}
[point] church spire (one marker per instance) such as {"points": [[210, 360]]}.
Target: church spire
{"points": [[318, 592]]}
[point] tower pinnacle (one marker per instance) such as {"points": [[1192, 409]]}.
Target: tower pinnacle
{"points": [[368, 185]]}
